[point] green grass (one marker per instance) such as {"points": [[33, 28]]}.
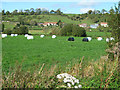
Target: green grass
{"points": [[98, 34], [87, 21], [9, 25], [48, 51]]}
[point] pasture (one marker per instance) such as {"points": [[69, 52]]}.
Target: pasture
{"points": [[47, 50]]}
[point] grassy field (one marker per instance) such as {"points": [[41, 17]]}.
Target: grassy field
{"points": [[9, 25], [48, 51], [98, 34]]}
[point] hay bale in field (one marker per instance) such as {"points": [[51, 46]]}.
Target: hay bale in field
{"points": [[16, 35], [12, 35], [112, 39], [53, 36], [4, 35], [85, 40], [70, 39], [26, 35], [107, 40], [30, 37], [89, 38], [99, 38], [42, 36]]}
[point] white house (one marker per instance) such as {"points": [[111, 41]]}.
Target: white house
{"points": [[104, 24], [82, 25], [94, 26]]}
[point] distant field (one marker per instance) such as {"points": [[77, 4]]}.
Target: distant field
{"points": [[97, 34], [48, 51], [90, 34], [9, 25], [51, 18]]}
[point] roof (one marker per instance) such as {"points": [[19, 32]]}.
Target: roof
{"points": [[103, 22], [82, 24]]}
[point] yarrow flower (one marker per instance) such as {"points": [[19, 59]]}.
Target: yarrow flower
{"points": [[76, 87], [69, 79], [68, 84], [80, 86]]}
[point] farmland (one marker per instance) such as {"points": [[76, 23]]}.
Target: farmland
{"points": [[47, 50]]}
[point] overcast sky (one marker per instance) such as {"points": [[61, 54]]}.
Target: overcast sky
{"points": [[66, 6]]}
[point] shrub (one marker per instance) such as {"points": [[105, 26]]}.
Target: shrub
{"points": [[66, 30], [78, 31], [20, 30], [7, 31], [74, 30], [55, 30], [2, 27]]}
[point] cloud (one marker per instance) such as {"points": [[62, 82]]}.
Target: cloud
{"points": [[87, 3], [85, 10]]}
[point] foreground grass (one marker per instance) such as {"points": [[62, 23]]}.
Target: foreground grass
{"points": [[48, 51], [92, 74]]}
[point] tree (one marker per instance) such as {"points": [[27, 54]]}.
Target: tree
{"points": [[114, 23], [27, 12], [66, 30], [7, 13], [103, 11], [15, 12], [74, 30], [98, 11], [21, 20], [38, 11], [21, 12], [20, 29], [58, 11], [2, 27], [7, 31], [59, 23], [111, 11], [32, 11], [33, 23], [78, 31], [3, 12], [90, 12], [52, 11]]}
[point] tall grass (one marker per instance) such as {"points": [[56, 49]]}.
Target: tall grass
{"points": [[92, 74]]}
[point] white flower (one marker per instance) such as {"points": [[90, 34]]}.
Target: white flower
{"points": [[59, 76], [67, 80], [73, 78], [68, 84], [72, 83], [77, 81], [76, 87], [80, 86]]}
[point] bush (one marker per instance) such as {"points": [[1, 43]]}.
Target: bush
{"points": [[78, 31], [20, 30], [66, 30], [74, 30], [7, 31]]}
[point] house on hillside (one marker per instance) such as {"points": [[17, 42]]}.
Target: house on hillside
{"points": [[50, 23], [53, 23], [45, 24], [94, 25], [104, 24], [82, 25]]}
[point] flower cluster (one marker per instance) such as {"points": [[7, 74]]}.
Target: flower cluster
{"points": [[70, 80]]}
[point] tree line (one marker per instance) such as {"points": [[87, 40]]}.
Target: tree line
{"points": [[39, 11], [31, 11]]}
